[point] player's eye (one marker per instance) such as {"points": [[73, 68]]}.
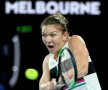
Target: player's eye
{"points": [[44, 35], [53, 34]]}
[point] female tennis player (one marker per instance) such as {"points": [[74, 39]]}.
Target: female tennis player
{"points": [[55, 36]]}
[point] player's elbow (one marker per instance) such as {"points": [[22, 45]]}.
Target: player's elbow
{"points": [[85, 69], [83, 72]]}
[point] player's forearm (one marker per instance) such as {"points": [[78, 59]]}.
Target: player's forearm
{"points": [[47, 86]]}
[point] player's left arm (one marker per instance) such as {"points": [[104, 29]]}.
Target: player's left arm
{"points": [[80, 52]]}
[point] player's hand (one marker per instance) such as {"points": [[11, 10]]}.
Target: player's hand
{"points": [[57, 86], [50, 86]]}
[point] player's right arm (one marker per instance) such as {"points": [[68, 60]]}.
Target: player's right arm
{"points": [[44, 83]]}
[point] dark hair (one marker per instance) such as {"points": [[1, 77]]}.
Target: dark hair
{"points": [[56, 19]]}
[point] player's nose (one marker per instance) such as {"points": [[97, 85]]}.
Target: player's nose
{"points": [[48, 39]]}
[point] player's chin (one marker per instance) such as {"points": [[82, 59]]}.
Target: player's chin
{"points": [[51, 51]]}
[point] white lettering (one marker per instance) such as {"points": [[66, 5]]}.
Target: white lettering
{"points": [[95, 8], [64, 7], [50, 7], [11, 7], [23, 7], [40, 7], [29, 9], [75, 7]]}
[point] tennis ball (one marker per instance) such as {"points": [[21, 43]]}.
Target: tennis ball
{"points": [[31, 74]]}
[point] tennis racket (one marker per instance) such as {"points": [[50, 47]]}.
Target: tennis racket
{"points": [[67, 69]]}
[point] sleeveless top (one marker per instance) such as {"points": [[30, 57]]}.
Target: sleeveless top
{"points": [[53, 64], [91, 79]]}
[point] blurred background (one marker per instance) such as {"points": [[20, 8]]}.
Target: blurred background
{"points": [[21, 46]]}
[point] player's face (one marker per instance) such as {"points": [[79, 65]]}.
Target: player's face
{"points": [[53, 38]]}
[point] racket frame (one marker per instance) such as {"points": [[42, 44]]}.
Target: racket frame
{"points": [[59, 71]]}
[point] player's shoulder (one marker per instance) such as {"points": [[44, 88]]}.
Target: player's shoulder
{"points": [[46, 59], [76, 38]]}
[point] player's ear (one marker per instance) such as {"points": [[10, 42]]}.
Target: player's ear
{"points": [[65, 36]]}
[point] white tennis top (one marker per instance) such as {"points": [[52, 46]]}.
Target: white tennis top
{"points": [[91, 79]]}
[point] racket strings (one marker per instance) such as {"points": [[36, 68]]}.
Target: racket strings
{"points": [[67, 67], [68, 77]]}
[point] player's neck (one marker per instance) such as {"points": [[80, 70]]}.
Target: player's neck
{"points": [[56, 56]]}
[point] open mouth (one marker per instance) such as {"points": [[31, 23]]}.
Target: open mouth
{"points": [[50, 46]]}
